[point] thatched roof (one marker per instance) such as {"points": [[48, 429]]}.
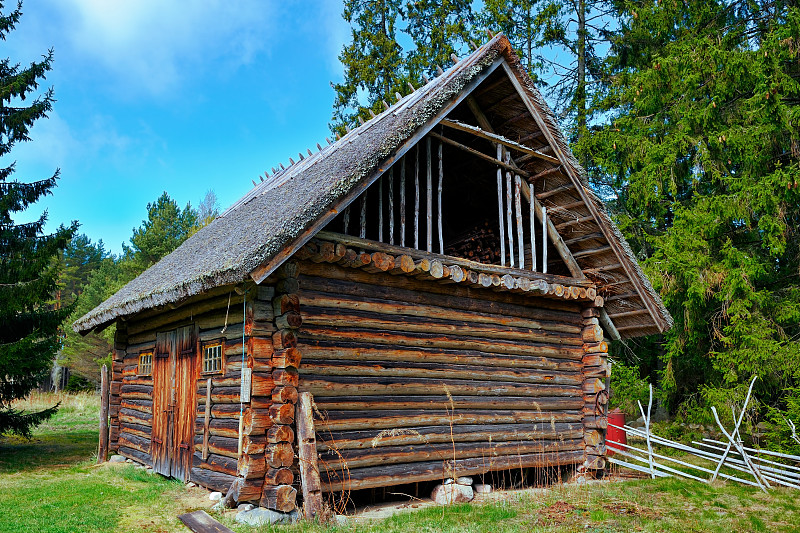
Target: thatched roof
{"points": [[274, 218]]}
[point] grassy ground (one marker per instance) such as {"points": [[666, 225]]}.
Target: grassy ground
{"points": [[50, 484]]}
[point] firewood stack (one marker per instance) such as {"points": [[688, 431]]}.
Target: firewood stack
{"points": [[481, 244]]}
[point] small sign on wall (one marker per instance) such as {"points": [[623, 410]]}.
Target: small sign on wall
{"points": [[247, 379]]}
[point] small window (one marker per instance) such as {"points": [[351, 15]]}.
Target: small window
{"points": [[145, 364], [212, 358]]}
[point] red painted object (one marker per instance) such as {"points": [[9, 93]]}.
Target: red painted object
{"points": [[616, 417]]}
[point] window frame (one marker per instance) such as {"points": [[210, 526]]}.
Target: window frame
{"points": [[222, 359], [142, 354]]}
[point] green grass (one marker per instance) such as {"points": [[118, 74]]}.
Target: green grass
{"points": [[51, 484]]}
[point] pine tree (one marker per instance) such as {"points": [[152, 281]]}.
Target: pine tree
{"points": [[438, 29], [28, 257], [702, 144], [373, 61]]}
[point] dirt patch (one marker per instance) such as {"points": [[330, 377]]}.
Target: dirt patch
{"points": [[558, 513]]}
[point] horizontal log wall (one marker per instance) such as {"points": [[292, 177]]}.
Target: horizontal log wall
{"points": [[414, 380], [131, 395]]}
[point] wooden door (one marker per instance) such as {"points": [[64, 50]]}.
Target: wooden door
{"points": [[186, 372], [174, 382], [163, 415]]}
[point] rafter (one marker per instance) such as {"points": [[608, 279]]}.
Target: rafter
{"points": [[497, 139]]}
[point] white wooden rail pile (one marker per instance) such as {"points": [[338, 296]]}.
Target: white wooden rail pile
{"points": [[759, 471]]}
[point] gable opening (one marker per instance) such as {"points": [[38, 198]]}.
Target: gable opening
{"points": [[451, 195]]}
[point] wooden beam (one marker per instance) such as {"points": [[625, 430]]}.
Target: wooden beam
{"points": [[545, 220], [500, 208], [307, 456], [518, 213], [439, 201], [532, 136], [363, 219], [261, 272], [604, 268], [546, 172], [478, 154], [495, 138], [380, 207], [355, 242], [509, 218], [628, 313], [403, 201], [416, 199], [574, 221], [532, 218], [593, 251], [201, 522], [391, 205], [552, 192], [429, 197], [620, 253], [608, 325], [623, 296]]}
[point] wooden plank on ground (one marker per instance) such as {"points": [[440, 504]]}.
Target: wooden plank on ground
{"points": [[201, 522]]}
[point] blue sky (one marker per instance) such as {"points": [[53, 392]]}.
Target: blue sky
{"points": [[180, 97]]}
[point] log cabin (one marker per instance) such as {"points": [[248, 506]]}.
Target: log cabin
{"points": [[431, 295]]}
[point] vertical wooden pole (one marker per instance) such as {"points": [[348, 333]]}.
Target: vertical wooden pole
{"points": [[380, 208], [500, 208], [544, 239], [363, 232], [533, 226], [207, 420], [429, 199], [102, 451], [509, 225], [439, 206], [416, 200], [518, 212], [307, 455], [391, 205], [403, 201], [346, 219]]}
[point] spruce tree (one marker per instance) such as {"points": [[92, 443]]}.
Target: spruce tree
{"points": [[702, 144], [374, 62], [438, 29], [543, 31], [28, 258]]}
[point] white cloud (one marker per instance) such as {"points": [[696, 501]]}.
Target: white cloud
{"points": [[153, 44]]}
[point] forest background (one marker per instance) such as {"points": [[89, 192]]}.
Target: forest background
{"points": [[686, 116]]}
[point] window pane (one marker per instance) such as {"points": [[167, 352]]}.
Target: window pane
{"points": [[212, 358]]}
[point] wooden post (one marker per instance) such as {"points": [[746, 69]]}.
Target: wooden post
{"points": [[207, 420], [544, 238], [500, 208], [380, 208], [533, 227], [416, 200], [307, 454], [363, 232], [391, 205], [102, 452], [346, 219], [509, 225], [439, 207], [429, 205], [518, 212], [403, 201]]}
